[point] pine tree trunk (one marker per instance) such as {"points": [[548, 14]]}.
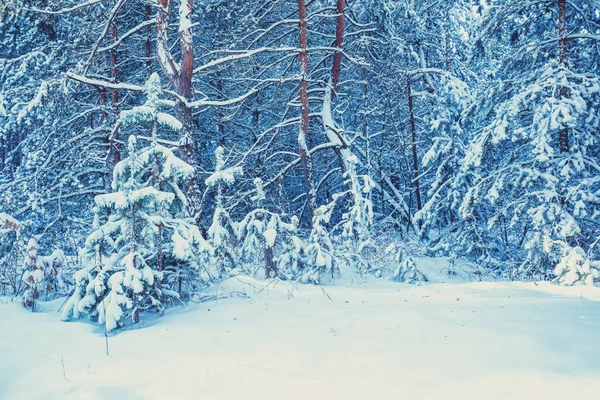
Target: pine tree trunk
{"points": [[303, 134], [270, 265], [180, 74], [148, 43], [159, 235], [564, 91], [336, 67], [413, 130], [220, 113], [184, 86], [115, 97], [366, 121]]}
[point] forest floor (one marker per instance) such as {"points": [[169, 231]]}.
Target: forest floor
{"points": [[372, 340]]}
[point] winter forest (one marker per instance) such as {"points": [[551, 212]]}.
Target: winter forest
{"points": [[167, 155]]}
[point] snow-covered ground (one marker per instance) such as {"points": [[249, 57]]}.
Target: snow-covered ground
{"points": [[372, 340]]}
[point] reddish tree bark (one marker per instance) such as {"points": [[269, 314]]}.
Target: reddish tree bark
{"points": [[180, 74], [336, 67], [184, 82]]}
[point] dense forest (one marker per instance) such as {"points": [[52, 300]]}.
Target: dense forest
{"points": [[157, 146]]}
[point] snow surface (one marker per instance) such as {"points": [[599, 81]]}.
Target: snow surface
{"points": [[375, 339]]}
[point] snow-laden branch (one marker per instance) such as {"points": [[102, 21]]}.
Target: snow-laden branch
{"points": [[64, 10], [243, 54], [112, 16], [94, 190], [121, 86], [426, 71], [127, 34], [206, 102], [264, 32]]}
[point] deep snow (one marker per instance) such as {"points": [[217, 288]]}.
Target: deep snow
{"points": [[372, 340]]}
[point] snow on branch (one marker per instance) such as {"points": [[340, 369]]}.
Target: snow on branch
{"points": [[120, 86], [127, 34], [64, 10], [113, 15]]}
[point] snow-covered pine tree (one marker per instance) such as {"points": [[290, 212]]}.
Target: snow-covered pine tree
{"points": [[526, 190], [261, 230], [576, 267], [322, 263], [140, 256], [222, 233], [291, 256], [41, 275], [33, 275], [405, 268], [452, 100], [355, 225], [10, 236]]}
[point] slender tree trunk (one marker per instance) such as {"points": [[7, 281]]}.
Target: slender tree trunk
{"points": [[447, 42], [366, 121], [159, 234], [220, 113], [102, 102], [564, 91], [270, 264], [303, 134], [115, 97], [148, 44], [413, 130], [259, 164]]}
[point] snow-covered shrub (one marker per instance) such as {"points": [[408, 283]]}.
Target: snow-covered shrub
{"points": [[321, 260], [354, 228], [575, 267], [10, 238], [261, 230], [405, 269], [222, 233], [291, 255], [147, 252], [41, 274]]}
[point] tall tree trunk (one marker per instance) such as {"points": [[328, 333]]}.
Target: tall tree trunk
{"points": [[148, 44], [366, 121], [564, 91], [115, 97], [180, 74], [303, 134], [184, 81], [219, 112], [336, 69], [413, 130], [336, 66], [447, 42]]}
